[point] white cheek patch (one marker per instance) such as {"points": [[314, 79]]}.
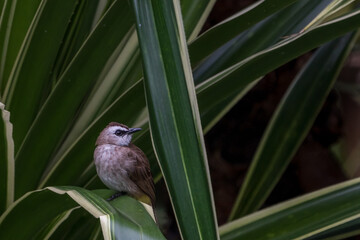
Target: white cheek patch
{"points": [[123, 140]]}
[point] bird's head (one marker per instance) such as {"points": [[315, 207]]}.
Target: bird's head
{"points": [[116, 134]]}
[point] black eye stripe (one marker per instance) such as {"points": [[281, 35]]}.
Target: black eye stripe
{"points": [[120, 132]]}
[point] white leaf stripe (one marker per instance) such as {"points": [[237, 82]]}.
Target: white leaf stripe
{"points": [[9, 161]]}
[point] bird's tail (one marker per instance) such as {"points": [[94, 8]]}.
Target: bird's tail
{"points": [[149, 206]]}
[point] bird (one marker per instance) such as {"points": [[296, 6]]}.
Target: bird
{"points": [[121, 165]]}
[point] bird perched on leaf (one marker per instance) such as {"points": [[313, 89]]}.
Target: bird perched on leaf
{"points": [[121, 165]]}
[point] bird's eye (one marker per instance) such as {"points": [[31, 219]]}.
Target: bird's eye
{"points": [[119, 132]]}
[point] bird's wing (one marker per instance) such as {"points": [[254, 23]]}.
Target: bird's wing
{"points": [[141, 175]]}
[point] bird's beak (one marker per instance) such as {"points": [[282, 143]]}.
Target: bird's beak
{"points": [[132, 130]]}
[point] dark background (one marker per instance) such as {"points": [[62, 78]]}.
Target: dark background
{"points": [[232, 142]]}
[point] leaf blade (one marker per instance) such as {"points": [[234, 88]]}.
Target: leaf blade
{"points": [[195, 14], [7, 170], [12, 33], [48, 203], [70, 91], [290, 123], [272, 58], [215, 37], [49, 34], [301, 217], [174, 120]]}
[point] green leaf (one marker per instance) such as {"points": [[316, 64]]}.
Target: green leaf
{"points": [[233, 79], [2, 5], [213, 108], [42, 204], [290, 124], [40, 48], [138, 215], [262, 35], [78, 30], [15, 20], [195, 14], [7, 170], [112, 83], [266, 33], [62, 105], [122, 218], [342, 231], [49, 228], [174, 118], [74, 225], [333, 8], [218, 35], [301, 217]]}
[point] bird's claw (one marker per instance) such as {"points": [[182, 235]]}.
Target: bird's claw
{"points": [[116, 195]]}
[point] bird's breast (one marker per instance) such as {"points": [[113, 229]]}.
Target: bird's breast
{"points": [[113, 166]]}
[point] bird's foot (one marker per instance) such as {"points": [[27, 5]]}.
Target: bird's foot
{"points": [[116, 195]]}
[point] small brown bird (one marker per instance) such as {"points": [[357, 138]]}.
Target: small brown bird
{"points": [[121, 165]]}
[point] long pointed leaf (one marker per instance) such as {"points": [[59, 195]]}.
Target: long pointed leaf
{"points": [[62, 105], [264, 34], [74, 225], [195, 13], [174, 119], [290, 124], [7, 171], [287, 21], [301, 217], [79, 29], [247, 71], [41, 204], [342, 231], [28, 80], [14, 23], [218, 35], [123, 218], [333, 8], [115, 78]]}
